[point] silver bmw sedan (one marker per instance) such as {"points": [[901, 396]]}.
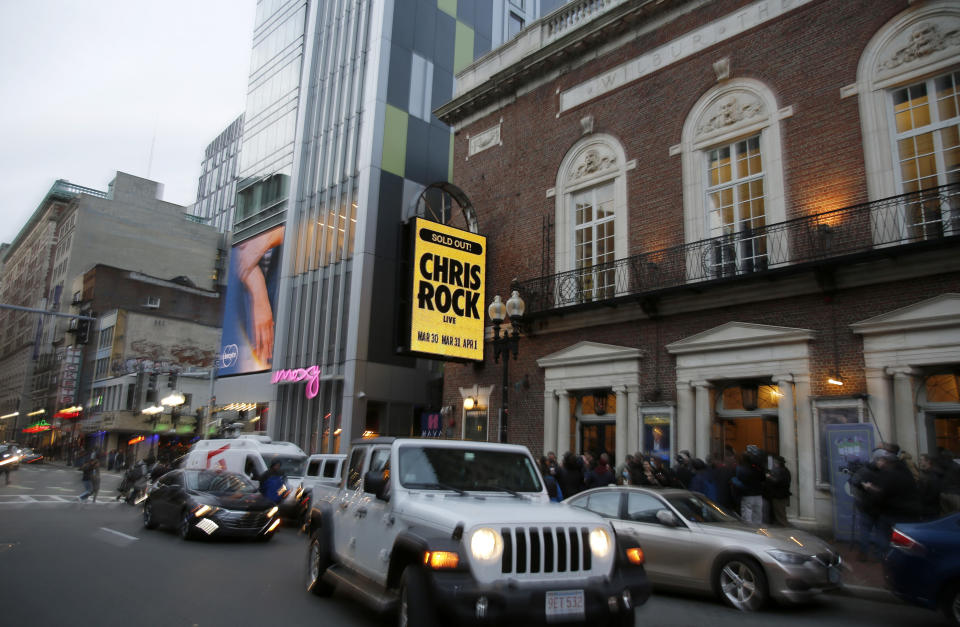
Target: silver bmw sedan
{"points": [[691, 543]]}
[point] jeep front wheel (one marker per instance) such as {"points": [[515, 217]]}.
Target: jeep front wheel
{"points": [[416, 609], [318, 561]]}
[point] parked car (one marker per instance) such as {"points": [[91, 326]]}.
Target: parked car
{"points": [[922, 565], [30, 456], [691, 543], [199, 503]]}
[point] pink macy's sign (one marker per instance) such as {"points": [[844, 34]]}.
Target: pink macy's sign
{"points": [[311, 375]]}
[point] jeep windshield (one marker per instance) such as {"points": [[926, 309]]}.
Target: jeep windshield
{"points": [[290, 465], [459, 469]]}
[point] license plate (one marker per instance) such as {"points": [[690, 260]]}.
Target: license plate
{"points": [[564, 605]]}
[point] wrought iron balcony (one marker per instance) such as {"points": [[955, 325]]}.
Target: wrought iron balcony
{"points": [[923, 218]]}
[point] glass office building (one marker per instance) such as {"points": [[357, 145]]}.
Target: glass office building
{"points": [[339, 141]]}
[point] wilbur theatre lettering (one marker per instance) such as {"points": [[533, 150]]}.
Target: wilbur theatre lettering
{"points": [[449, 274], [311, 375]]}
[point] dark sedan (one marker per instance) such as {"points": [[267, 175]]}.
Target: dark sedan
{"points": [[201, 503], [923, 564]]}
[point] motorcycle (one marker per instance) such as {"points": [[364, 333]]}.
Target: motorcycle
{"points": [[133, 486]]}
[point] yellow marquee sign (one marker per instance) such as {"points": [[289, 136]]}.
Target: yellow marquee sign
{"points": [[449, 274]]}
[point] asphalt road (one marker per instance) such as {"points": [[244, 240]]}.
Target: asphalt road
{"points": [[69, 563]]}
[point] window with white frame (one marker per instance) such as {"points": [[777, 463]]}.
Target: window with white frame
{"points": [[735, 206], [733, 189], [593, 232], [926, 125], [591, 220], [907, 93]]}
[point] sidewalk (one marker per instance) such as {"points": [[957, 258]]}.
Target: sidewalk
{"points": [[862, 579]]}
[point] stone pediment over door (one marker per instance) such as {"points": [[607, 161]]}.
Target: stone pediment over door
{"points": [[742, 349], [924, 333], [738, 335], [590, 365], [941, 311]]}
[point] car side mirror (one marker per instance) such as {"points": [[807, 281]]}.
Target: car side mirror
{"points": [[378, 484], [668, 518]]}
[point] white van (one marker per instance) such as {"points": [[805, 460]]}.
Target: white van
{"points": [[251, 455]]}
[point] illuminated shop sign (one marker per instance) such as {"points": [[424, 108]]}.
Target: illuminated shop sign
{"points": [[449, 274], [311, 375]]}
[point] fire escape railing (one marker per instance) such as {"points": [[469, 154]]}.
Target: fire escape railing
{"points": [[930, 215]]}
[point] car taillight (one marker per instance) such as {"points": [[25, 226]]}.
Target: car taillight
{"points": [[900, 540]]}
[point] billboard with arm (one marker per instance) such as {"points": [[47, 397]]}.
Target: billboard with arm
{"points": [[248, 318]]}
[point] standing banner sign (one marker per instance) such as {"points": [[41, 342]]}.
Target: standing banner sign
{"points": [[848, 446]]}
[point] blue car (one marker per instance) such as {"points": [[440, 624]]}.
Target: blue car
{"points": [[923, 564]]}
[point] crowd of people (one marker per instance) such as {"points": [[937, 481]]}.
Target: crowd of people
{"points": [[890, 488], [750, 484]]}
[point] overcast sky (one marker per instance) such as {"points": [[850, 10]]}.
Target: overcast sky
{"points": [[92, 87]]}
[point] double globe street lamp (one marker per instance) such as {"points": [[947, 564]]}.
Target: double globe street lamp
{"points": [[506, 344]]}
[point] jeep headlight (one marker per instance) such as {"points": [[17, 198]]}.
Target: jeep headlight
{"points": [[486, 545], [600, 542]]}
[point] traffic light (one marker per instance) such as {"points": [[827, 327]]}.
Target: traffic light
{"points": [[83, 331], [172, 380], [151, 388]]}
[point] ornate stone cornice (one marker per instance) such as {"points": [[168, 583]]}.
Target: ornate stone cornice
{"points": [[730, 111], [592, 162], [924, 40]]}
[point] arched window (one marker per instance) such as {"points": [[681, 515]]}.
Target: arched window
{"points": [[591, 219], [732, 181], [908, 82]]}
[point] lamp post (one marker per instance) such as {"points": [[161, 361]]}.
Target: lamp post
{"points": [[506, 344]]}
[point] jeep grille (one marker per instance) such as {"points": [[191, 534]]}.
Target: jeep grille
{"points": [[545, 550]]}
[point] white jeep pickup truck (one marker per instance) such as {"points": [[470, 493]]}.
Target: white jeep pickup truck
{"points": [[452, 532]]}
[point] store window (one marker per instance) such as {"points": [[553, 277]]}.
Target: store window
{"points": [[656, 432], [746, 413], [941, 407], [475, 424]]}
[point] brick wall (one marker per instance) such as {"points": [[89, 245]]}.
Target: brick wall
{"points": [[805, 58]]}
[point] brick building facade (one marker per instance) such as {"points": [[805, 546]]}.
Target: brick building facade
{"points": [[711, 210]]}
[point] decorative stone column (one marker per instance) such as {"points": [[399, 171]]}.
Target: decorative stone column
{"points": [[904, 410], [880, 402], [633, 418], [563, 422], [622, 410], [703, 419], [685, 416], [786, 414], [806, 456], [550, 423]]}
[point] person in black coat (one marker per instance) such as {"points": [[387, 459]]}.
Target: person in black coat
{"points": [[928, 487], [601, 474], [748, 484], [777, 491], [571, 479]]}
